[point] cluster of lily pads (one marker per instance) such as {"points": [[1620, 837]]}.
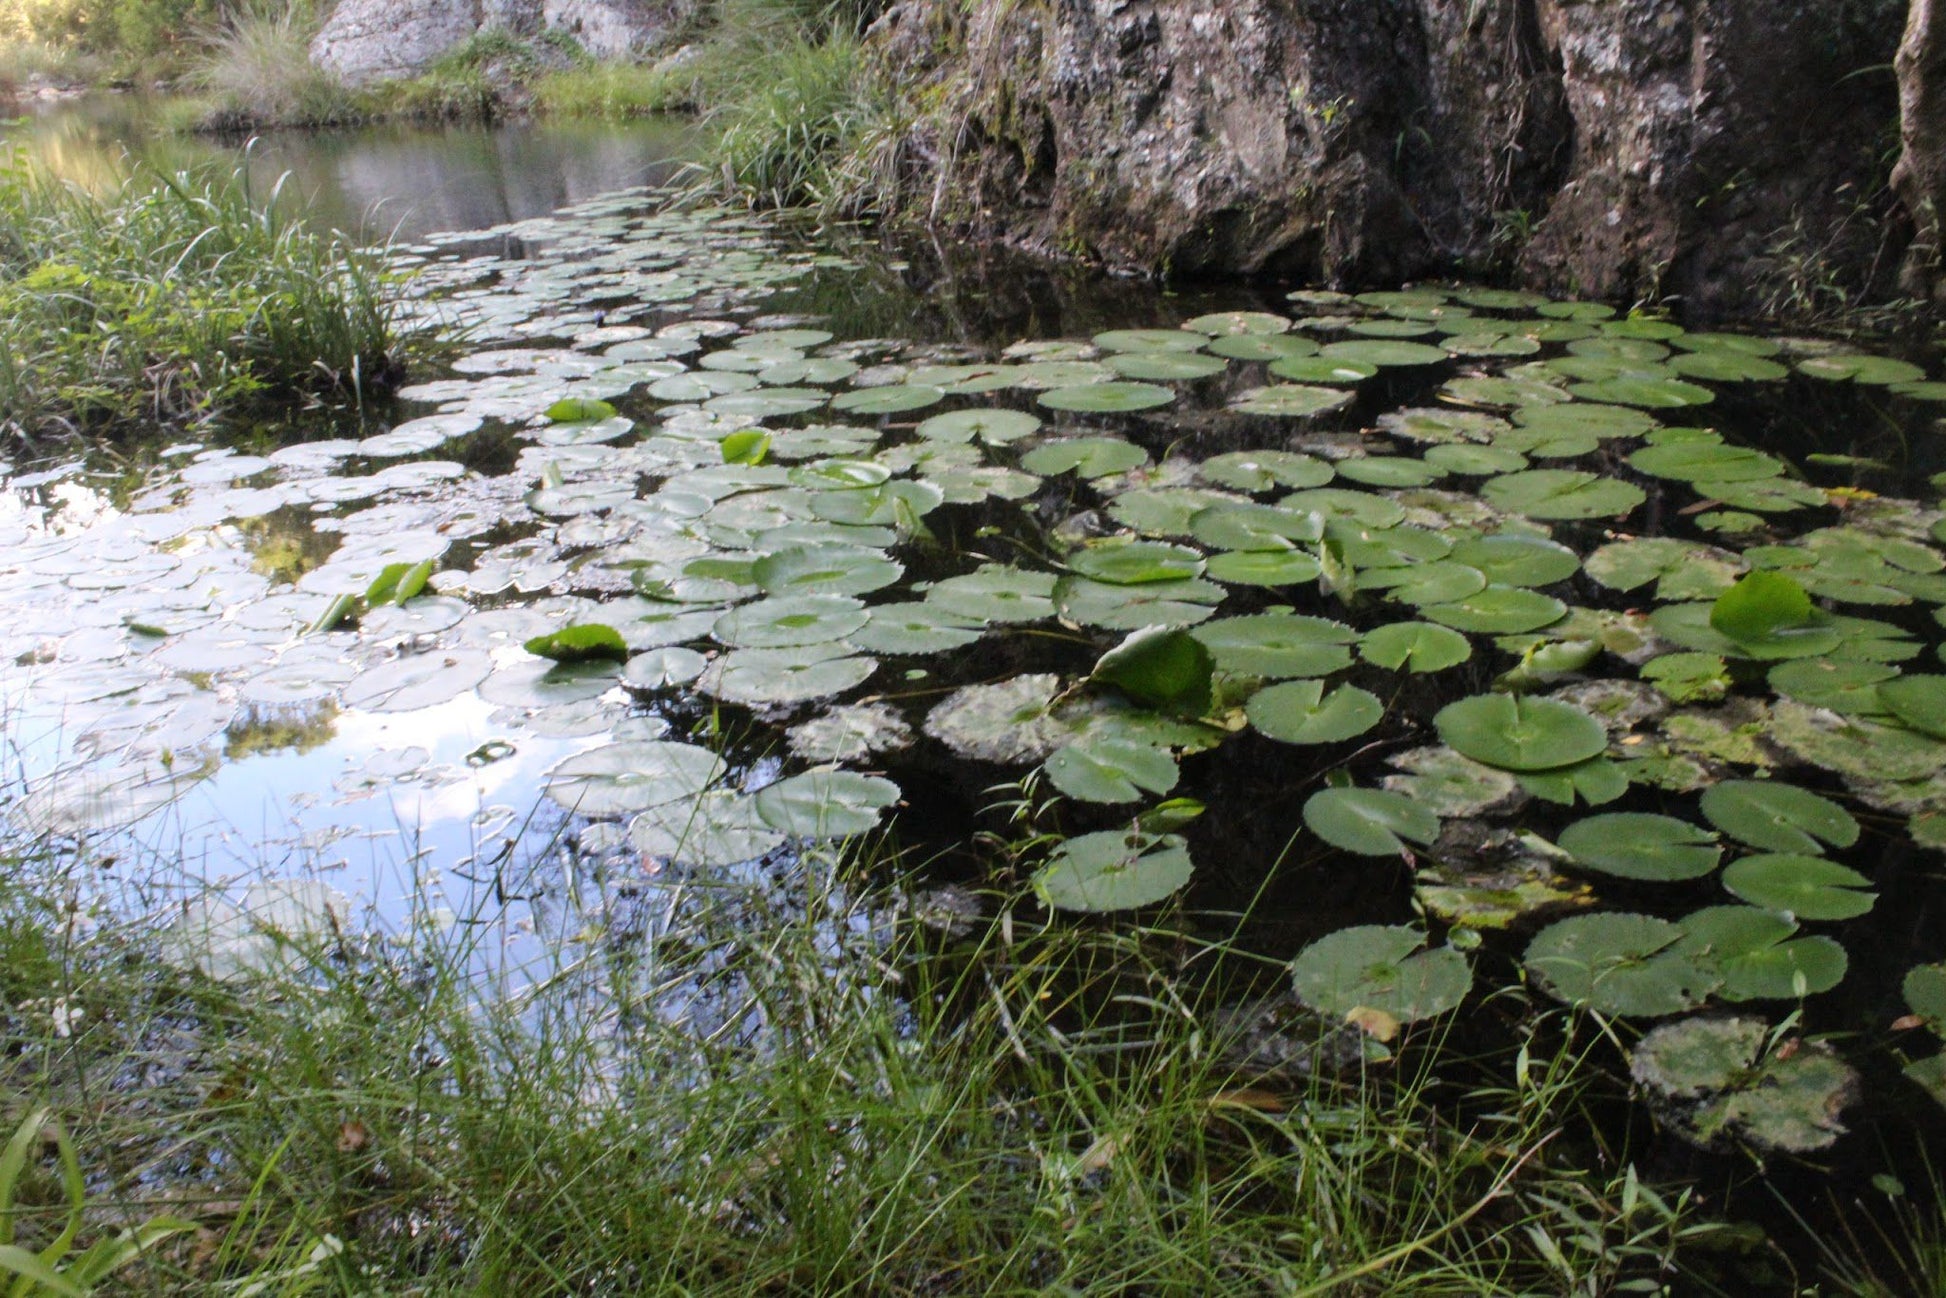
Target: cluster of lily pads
{"points": [[1472, 571]]}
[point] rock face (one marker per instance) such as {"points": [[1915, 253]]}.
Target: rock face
{"points": [[1619, 147], [374, 40]]}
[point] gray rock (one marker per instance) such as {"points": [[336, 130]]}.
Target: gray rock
{"points": [[375, 40]]}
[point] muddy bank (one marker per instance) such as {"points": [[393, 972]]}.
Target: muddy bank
{"points": [[1719, 152]]}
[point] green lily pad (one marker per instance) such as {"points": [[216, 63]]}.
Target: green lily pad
{"points": [[1415, 646], [1166, 367], [1383, 968], [1263, 347], [1007, 723], [1620, 964], [785, 621], [1151, 340], [824, 570], [1516, 733], [1136, 563], [1778, 817], [1110, 770], [716, 829], [1689, 625], [825, 804], [1301, 712], [581, 642], [996, 593], [1637, 845], [1277, 645], [1860, 368], [1809, 887], [1512, 559], [1323, 369], [1715, 1080], [993, 427], [1385, 352], [1842, 686], [893, 399], [1681, 569], [1262, 470], [1759, 959], [1264, 568], [1238, 526], [1166, 669], [1924, 989], [1759, 606], [1090, 457], [1087, 602], [1562, 494], [1388, 471], [1113, 870], [781, 677], [1369, 822], [662, 668], [1249, 323], [1652, 393], [914, 628], [1498, 610], [1107, 398], [1918, 702], [1289, 400], [628, 777]]}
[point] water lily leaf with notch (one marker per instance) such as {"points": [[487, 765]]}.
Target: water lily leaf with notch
{"points": [[1136, 563], [1339, 504], [1809, 887], [1713, 1078], [1682, 570], [1114, 869], [1498, 610], [1110, 770], [786, 621], [1151, 340], [1688, 677], [895, 504], [1385, 352], [915, 628], [416, 680], [1918, 702], [1323, 369], [1640, 390], [1860, 368], [1415, 646], [839, 474], [1224, 323], [1440, 582], [1448, 784], [1262, 470], [996, 593], [1239, 526], [1087, 602], [1301, 712], [1262, 347], [579, 410], [1167, 669], [1689, 625], [1369, 822], [1759, 606], [1924, 989], [628, 777], [1697, 460], [1748, 947], [1512, 559], [1620, 964], [892, 399], [1562, 494], [1166, 367], [663, 667], [718, 828], [1778, 817], [1090, 457], [1638, 845], [825, 804], [1107, 398], [1517, 733], [766, 402], [581, 642], [824, 570], [1595, 781], [1289, 400], [780, 677], [1380, 967], [993, 427], [1277, 645], [1388, 471], [749, 446], [1007, 722]]}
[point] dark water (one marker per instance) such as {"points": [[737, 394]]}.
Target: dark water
{"points": [[399, 180]]}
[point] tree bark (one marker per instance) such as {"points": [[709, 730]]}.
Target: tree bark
{"points": [[1919, 179]]}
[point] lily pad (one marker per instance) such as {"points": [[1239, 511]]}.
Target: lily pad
{"points": [[1277, 645], [825, 804], [1562, 494], [1383, 968], [1107, 398], [1301, 712], [996, 593], [1415, 646], [1638, 845], [1110, 770], [1008, 722], [785, 621], [1370, 822], [1164, 668], [629, 777], [1289, 401], [1778, 817], [1620, 964], [715, 829], [1918, 702], [1809, 887], [1136, 563], [1759, 959], [1714, 1078], [1089, 457], [1516, 733], [1114, 869]]}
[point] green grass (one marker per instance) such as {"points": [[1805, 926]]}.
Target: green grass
{"points": [[256, 70], [793, 1086], [610, 90], [176, 296]]}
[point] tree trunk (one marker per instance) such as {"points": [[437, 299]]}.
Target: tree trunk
{"points": [[1920, 177]]}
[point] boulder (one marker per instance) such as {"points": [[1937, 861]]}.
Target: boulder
{"points": [[375, 40]]}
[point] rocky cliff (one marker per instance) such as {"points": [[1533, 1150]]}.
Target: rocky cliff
{"points": [[372, 40], [1692, 149]]}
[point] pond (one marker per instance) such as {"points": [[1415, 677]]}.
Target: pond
{"points": [[1460, 637]]}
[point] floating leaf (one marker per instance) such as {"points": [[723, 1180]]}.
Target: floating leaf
{"points": [[1637, 845], [785, 621], [1110, 770], [1382, 968], [825, 804], [994, 427], [996, 593], [1562, 493], [1277, 645], [1517, 733], [1136, 563], [1918, 701], [894, 399], [780, 677], [1620, 964], [1370, 822], [398, 582], [630, 777], [1759, 606], [577, 410], [715, 829], [1289, 400], [1715, 1079], [1778, 817], [1749, 947], [1809, 887], [1090, 457], [581, 642], [751, 446], [1415, 646], [1008, 722], [1164, 668], [824, 570], [1113, 870], [1107, 398], [1300, 712]]}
